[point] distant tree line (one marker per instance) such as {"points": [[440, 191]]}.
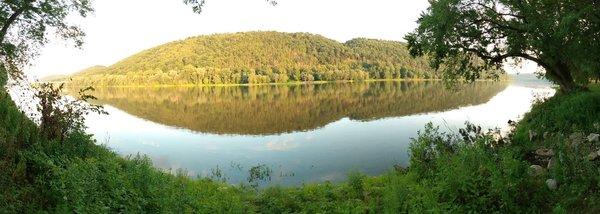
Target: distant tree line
{"points": [[260, 57]]}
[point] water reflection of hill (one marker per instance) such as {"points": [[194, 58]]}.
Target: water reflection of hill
{"points": [[261, 110]]}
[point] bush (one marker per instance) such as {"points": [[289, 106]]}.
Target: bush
{"points": [[356, 181], [3, 76], [59, 115], [477, 175], [428, 147]]}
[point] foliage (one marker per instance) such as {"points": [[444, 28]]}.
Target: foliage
{"points": [[3, 77], [557, 115], [60, 115], [77, 175], [259, 173], [465, 37], [259, 57], [24, 28], [477, 175], [431, 145], [17, 134]]}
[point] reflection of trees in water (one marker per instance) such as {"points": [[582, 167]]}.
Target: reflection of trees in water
{"points": [[259, 110]]}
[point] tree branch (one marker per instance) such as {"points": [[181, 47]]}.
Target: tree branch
{"points": [[500, 58], [13, 18]]}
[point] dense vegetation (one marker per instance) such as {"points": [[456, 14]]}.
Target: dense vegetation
{"points": [[75, 175], [560, 36], [259, 57], [448, 173], [286, 108]]}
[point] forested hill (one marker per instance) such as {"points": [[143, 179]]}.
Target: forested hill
{"points": [[259, 57]]}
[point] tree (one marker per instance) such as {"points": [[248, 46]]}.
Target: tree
{"points": [[465, 37], [25, 25]]}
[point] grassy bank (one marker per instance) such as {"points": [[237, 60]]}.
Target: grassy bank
{"points": [[448, 173]]}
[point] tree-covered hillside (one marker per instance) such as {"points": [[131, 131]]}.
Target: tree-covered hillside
{"points": [[260, 57]]}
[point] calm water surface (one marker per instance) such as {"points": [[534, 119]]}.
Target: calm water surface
{"points": [[303, 133]]}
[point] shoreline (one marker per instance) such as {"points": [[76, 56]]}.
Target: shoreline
{"points": [[275, 84]]}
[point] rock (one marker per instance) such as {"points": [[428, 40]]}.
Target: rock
{"points": [[532, 135], [536, 170], [593, 156], [576, 138], [544, 152], [552, 184], [551, 163], [593, 138], [573, 145]]}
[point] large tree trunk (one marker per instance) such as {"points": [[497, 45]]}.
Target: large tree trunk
{"points": [[567, 85], [13, 18], [561, 75]]}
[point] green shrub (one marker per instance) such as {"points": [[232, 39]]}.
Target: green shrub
{"points": [[428, 147], [579, 112], [356, 182], [578, 178], [3, 76], [478, 176]]}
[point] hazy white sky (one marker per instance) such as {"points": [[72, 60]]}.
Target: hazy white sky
{"points": [[120, 28]]}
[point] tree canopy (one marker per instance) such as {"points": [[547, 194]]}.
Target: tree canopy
{"points": [[25, 27], [469, 36]]}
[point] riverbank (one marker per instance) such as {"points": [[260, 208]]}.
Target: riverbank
{"points": [[504, 79], [472, 172]]}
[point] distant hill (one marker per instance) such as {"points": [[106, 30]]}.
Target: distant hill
{"points": [[88, 71], [259, 57], [54, 78], [98, 69]]}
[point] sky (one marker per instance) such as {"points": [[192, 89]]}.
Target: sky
{"points": [[121, 28]]}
